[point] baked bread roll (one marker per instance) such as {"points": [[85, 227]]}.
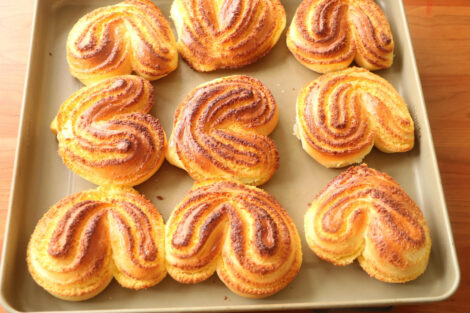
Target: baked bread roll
{"points": [[105, 135], [226, 34], [115, 40], [220, 131], [327, 35], [238, 231], [365, 214], [88, 238], [342, 115]]}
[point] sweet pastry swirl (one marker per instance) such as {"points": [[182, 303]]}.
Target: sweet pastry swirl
{"points": [[220, 131], [105, 135], [365, 214], [239, 231], [327, 35], [342, 115], [226, 34], [115, 40], [88, 238]]}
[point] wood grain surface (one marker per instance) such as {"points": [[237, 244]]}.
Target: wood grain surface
{"points": [[440, 30]]}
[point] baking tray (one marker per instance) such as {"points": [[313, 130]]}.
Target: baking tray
{"points": [[40, 179]]}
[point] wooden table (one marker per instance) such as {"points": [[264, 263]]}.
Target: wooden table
{"points": [[440, 30]]}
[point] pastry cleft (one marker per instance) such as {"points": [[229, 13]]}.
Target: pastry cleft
{"points": [[115, 40], [105, 134], [365, 214], [238, 231], [88, 238], [220, 131]]}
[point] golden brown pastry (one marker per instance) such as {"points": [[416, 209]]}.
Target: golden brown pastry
{"points": [[105, 135], [365, 214], [226, 34], [88, 238], [115, 40], [327, 35], [220, 131], [238, 231], [342, 115]]}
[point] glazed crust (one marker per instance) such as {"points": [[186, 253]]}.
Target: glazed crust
{"points": [[105, 134], [342, 115], [239, 231], [88, 238], [365, 214], [220, 131], [327, 35], [115, 40]]}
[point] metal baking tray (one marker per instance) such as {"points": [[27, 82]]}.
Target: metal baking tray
{"points": [[40, 179]]}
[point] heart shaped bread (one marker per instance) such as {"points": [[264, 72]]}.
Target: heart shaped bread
{"points": [[239, 231], [220, 131], [88, 238], [342, 115], [327, 35], [365, 214], [224, 34], [115, 40], [105, 134]]}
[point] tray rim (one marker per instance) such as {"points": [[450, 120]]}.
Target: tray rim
{"points": [[19, 151]]}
